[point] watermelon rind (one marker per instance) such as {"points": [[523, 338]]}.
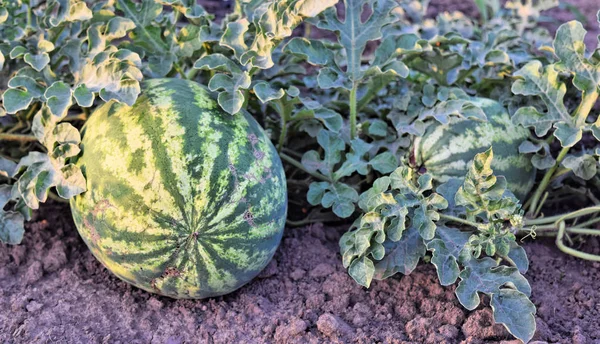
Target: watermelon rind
{"points": [[445, 151], [183, 199]]}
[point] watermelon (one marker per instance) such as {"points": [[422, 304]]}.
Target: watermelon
{"points": [[183, 199], [444, 151]]}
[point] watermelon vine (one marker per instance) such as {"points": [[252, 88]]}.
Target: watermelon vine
{"points": [[447, 140]]}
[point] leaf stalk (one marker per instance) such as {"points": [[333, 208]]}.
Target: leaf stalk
{"points": [[558, 218], [459, 220], [573, 252], [353, 110], [17, 137], [299, 166]]}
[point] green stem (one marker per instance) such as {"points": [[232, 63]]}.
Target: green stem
{"points": [[237, 8], [459, 220], [299, 166], [539, 208], [308, 221], [29, 10], [17, 137], [510, 261], [283, 133], [291, 152], [57, 35], [533, 206], [558, 218], [307, 29], [284, 115], [81, 117], [16, 128], [246, 93], [465, 75], [34, 108], [561, 246], [192, 74], [180, 71], [580, 115], [589, 222], [584, 231], [353, 110], [553, 229], [57, 198], [587, 103], [560, 172]]}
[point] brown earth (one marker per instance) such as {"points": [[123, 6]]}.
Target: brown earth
{"points": [[53, 290]]}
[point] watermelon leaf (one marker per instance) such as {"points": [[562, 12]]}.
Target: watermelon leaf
{"points": [[447, 247], [401, 256], [399, 216], [11, 227], [338, 196], [273, 21], [58, 97], [22, 91], [358, 160], [536, 80], [516, 312], [570, 49], [584, 166], [148, 36], [443, 111], [448, 190], [518, 255], [313, 51], [488, 208], [542, 159], [545, 82], [353, 32], [336, 166], [266, 93], [41, 173], [252, 40], [483, 194], [402, 219], [333, 146], [362, 270], [7, 167], [485, 276]]}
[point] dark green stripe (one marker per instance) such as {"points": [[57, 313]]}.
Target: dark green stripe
{"points": [[141, 256], [152, 126], [221, 262], [138, 237], [201, 270]]}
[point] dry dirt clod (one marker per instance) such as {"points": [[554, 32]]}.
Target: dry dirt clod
{"points": [[34, 272], [333, 326]]}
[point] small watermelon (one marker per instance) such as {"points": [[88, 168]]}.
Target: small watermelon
{"points": [[183, 199], [445, 151]]}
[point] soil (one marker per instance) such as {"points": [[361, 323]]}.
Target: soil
{"points": [[53, 290]]}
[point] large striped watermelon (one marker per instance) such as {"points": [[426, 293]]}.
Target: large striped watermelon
{"points": [[183, 199], [445, 150]]}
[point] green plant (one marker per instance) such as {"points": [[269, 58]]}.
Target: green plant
{"points": [[403, 218], [344, 92]]}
